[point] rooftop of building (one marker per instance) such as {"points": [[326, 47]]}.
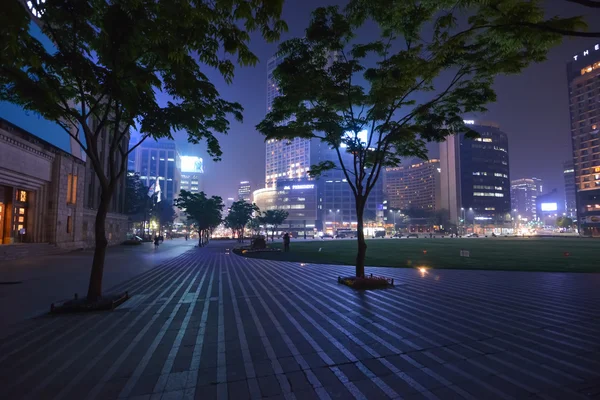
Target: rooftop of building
{"points": [[35, 140]]}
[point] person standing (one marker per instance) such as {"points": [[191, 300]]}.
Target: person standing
{"points": [[156, 242], [286, 242]]}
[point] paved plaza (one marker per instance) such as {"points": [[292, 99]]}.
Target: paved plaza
{"points": [[208, 324]]}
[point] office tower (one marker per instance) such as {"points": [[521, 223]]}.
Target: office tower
{"points": [[245, 191], [523, 195], [570, 189], [336, 203], [192, 174], [159, 161], [285, 159], [583, 72], [475, 185], [414, 186]]}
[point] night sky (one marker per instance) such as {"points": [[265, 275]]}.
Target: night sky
{"points": [[532, 109]]}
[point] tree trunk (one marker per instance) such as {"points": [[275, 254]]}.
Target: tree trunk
{"points": [[360, 235], [95, 286]]}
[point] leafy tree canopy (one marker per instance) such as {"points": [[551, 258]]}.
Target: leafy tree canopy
{"points": [[239, 215], [129, 64], [136, 194], [163, 213], [433, 62], [274, 218], [204, 212]]}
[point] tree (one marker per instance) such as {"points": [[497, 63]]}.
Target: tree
{"points": [[204, 213], [273, 218], [254, 226], [529, 15], [129, 64], [564, 222], [164, 214], [377, 102], [239, 215], [136, 194]]}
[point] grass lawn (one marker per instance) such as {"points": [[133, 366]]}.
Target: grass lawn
{"points": [[519, 254]]}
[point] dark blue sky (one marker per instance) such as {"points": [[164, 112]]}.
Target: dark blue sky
{"points": [[532, 108]]}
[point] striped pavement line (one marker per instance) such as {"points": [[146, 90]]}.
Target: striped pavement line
{"points": [[459, 334], [199, 343], [95, 360], [252, 382], [505, 377], [168, 365], [221, 356], [90, 343], [314, 381], [283, 382], [374, 335], [152, 348], [43, 338], [422, 304], [390, 366], [336, 370]]}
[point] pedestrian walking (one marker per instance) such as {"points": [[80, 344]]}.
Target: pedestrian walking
{"points": [[286, 242], [156, 242]]}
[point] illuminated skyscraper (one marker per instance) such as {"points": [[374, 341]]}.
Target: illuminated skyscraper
{"points": [[475, 183], [415, 186], [570, 189], [285, 159], [245, 191], [523, 195], [583, 72]]}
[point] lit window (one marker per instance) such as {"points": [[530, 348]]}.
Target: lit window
{"points": [[71, 189], [22, 196]]}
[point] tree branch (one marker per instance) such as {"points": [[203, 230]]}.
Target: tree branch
{"points": [[586, 3]]}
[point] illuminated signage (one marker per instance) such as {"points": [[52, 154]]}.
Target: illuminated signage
{"points": [[191, 164], [469, 122], [549, 207], [300, 187], [587, 52]]}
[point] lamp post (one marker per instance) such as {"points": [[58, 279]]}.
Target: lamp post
{"points": [[462, 220]]}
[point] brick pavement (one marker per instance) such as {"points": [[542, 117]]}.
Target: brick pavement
{"points": [[209, 324]]}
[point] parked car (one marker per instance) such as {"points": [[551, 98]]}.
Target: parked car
{"points": [[379, 234], [415, 235], [472, 235], [397, 235], [326, 236], [133, 240]]}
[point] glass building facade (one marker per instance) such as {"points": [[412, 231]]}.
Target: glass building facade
{"points": [[583, 77], [285, 159], [159, 161], [570, 189], [523, 195]]}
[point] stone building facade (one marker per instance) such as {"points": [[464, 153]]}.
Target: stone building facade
{"points": [[43, 194], [41, 191]]}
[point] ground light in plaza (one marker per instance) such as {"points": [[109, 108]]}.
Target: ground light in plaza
{"points": [[423, 271]]}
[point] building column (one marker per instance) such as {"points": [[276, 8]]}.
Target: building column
{"points": [[9, 195]]}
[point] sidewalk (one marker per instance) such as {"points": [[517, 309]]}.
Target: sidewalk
{"points": [[209, 324], [49, 279]]}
